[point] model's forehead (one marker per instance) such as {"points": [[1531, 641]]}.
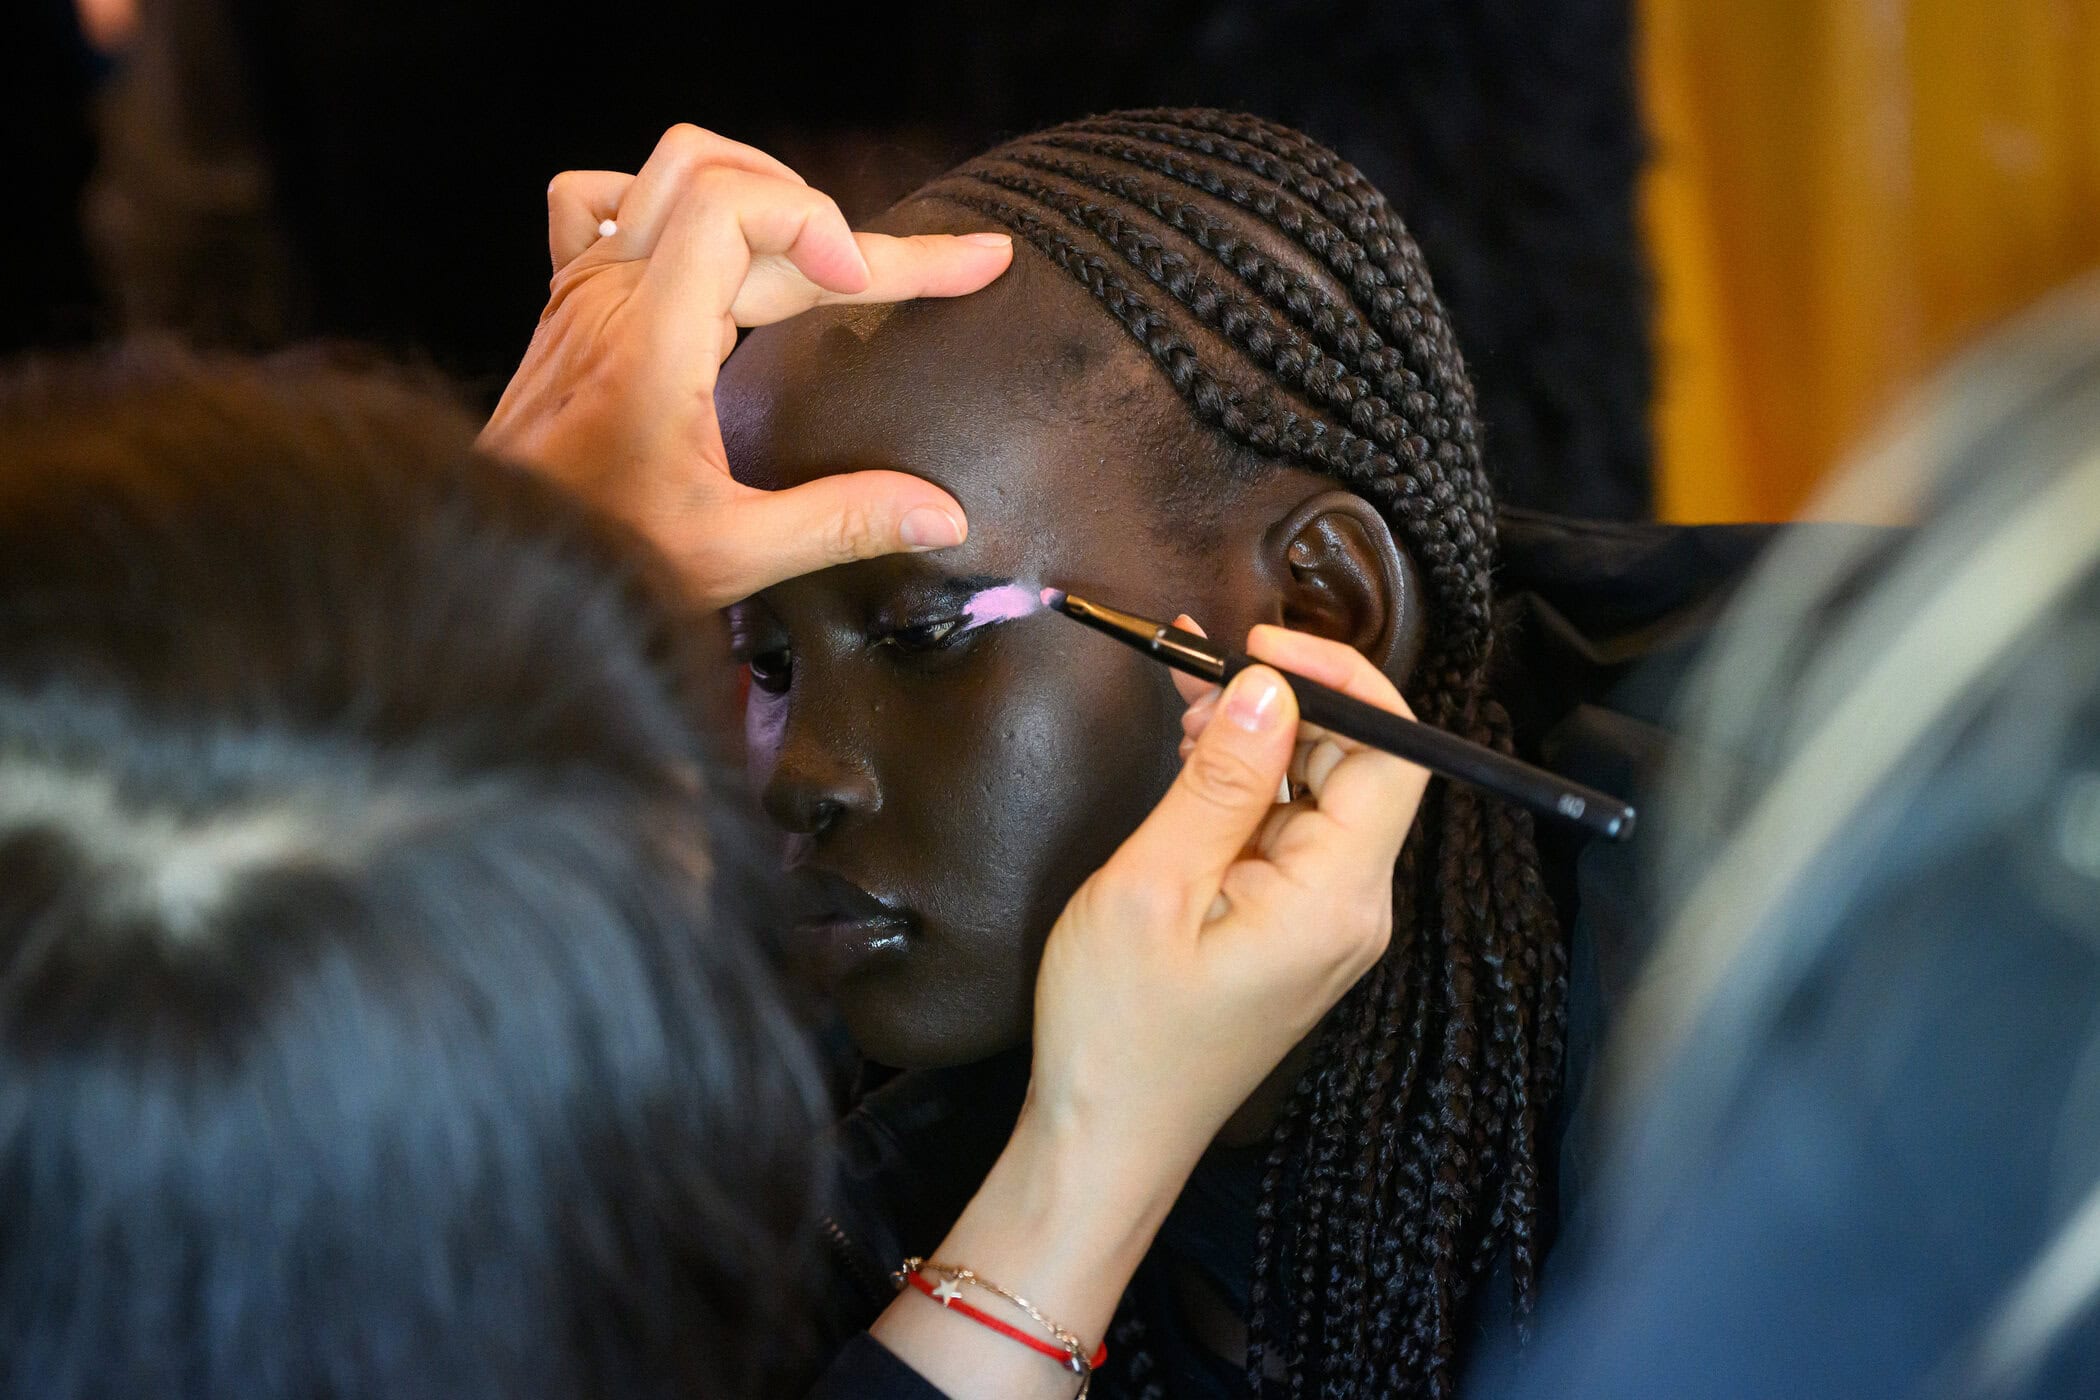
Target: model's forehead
{"points": [[1029, 372]]}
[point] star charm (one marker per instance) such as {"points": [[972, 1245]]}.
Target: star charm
{"points": [[947, 1291]]}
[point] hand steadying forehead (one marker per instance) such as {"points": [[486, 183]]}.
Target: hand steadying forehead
{"points": [[616, 393]]}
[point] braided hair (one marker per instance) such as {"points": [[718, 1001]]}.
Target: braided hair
{"points": [[1289, 308]]}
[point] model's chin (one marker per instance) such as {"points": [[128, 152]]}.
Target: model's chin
{"points": [[905, 1027]]}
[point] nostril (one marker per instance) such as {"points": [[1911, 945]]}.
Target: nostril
{"points": [[809, 793], [802, 809], [824, 814]]}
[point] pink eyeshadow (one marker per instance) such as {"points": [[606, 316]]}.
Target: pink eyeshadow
{"points": [[1002, 604]]}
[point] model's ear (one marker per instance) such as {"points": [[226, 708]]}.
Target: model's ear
{"points": [[1344, 576]]}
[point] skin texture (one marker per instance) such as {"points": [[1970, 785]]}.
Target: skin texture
{"points": [[972, 787]]}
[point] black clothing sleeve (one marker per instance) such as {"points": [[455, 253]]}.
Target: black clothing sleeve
{"points": [[865, 1369]]}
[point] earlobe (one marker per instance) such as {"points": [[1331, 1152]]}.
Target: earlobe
{"points": [[1342, 575]]}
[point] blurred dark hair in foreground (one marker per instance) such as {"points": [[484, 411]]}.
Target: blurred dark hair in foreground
{"points": [[379, 1009]]}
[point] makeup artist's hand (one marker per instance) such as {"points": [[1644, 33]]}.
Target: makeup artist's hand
{"points": [[1228, 924], [615, 396], [1178, 977]]}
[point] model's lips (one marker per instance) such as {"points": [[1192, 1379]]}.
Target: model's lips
{"points": [[839, 928]]}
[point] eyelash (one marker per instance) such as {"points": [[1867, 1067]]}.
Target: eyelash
{"points": [[922, 637], [772, 671]]}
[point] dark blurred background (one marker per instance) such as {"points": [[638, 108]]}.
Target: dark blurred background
{"points": [[249, 172], [1834, 195]]}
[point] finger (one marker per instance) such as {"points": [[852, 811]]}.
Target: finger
{"points": [[1365, 799], [1345, 928], [939, 265], [790, 249], [1339, 668], [928, 265], [758, 538], [578, 201], [704, 272], [1352, 831], [1316, 759], [1198, 715], [1191, 690], [1221, 796], [1273, 825], [681, 154], [1333, 664], [1294, 785]]}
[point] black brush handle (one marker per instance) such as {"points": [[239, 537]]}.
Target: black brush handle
{"points": [[1444, 754], [1452, 756], [1447, 754]]}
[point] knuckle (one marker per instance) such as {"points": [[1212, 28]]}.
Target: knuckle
{"points": [[850, 535], [1366, 931], [1370, 925], [1226, 778], [712, 183], [682, 139]]}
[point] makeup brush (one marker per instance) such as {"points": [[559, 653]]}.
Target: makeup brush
{"points": [[1444, 754]]}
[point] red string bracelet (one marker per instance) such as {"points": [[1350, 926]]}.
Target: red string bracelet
{"points": [[1069, 1360]]}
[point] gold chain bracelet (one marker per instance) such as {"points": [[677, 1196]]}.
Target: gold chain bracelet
{"points": [[1069, 1351]]}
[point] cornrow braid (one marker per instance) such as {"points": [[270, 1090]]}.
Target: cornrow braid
{"points": [[1278, 293]]}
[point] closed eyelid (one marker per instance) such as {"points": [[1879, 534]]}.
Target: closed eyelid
{"points": [[935, 601], [943, 596]]}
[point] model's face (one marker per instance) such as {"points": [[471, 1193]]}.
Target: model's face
{"points": [[945, 790]]}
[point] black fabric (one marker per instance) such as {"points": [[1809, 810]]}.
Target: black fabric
{"points": [[1606, 621], [1603, 619], [911, 1154], [865, 1369], [1208, 1240], [47, 79]]}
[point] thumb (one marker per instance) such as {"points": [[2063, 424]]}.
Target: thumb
{"points": [[1225, 791], [762, 537]]}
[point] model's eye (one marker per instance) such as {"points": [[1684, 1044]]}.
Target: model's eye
{"points": [[772, 670], [758, 641], [922, 637]]}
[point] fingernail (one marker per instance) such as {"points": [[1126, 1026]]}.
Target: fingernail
{"points": [[927, 528], [1189, 624], [1250, 701], [989, 240]]}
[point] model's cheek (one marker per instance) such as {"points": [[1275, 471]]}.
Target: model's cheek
{"points": [[978, 785], [1093, 755], [1003, 791]]}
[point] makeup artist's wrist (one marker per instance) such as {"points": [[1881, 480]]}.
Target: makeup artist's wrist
{"points": [[1087, 1198], [1063, 1220]]}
